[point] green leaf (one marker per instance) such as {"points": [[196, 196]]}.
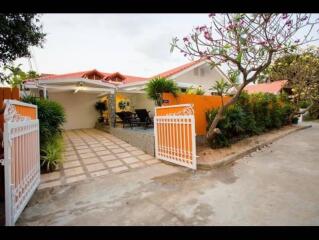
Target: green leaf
{"points": [[239, 56]]}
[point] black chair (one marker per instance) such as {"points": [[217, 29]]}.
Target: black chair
{"points": [[127, 118], [144, 117]]}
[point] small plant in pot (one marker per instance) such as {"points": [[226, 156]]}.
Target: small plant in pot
{"points": [[51, 154], [123, 104], [100, 107]]}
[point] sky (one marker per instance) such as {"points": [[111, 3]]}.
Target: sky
{"points": [[132, 44]]}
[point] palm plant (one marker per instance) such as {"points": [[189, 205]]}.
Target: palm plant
{"points": [[100, 107], [157, 86]]}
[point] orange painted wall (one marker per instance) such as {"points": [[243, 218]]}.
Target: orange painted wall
{"points": [[7, 93], [201, 104]]}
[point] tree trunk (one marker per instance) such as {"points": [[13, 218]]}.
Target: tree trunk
{"points": [[213, 131]]}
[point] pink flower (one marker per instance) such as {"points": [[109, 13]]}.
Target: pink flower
{"points": [[202, 28], [207, 35], [284, 15], [185, 39]]}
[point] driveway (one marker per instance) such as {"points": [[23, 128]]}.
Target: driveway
{"points": [[275, 186], [92, 153]]}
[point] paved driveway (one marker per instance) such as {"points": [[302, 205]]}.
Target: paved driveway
{"points": [[275, 186], [92, 153]]}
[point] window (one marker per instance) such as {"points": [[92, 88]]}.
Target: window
{"points": [[202, 72], [196, 71]]}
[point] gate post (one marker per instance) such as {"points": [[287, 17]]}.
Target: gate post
{"points": [[7, 173]]}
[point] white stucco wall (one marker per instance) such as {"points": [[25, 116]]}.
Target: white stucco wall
{"points": [[139, 101], [205, 77], [79, 108]]}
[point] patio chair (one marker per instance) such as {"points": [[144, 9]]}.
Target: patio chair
{"points": [[127, 118], [144, 117]]}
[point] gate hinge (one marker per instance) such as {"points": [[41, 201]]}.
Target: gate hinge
{"points": [[2, 162]]}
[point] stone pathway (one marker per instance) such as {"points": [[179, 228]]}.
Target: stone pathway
{"points": [[91, 153]]}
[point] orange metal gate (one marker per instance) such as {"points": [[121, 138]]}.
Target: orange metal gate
{"points": [[175, 139]]}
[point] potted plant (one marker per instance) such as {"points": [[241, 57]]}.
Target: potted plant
{"points": [[101, 107], [157, 86], [123, 104]]}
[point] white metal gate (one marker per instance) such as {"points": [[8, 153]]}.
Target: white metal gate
{"points": [[175, 139], [21, 158]]}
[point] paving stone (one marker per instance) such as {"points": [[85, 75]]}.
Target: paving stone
{"points": [[50, 184], [137, 152], [114, 163], [130, 148], [69, 153], [90, 160], [71, 158], [99, 173], [130, 160], [112, 146], [117, 150], [123, 155], [71, 164], [87, 150], [119, 169], [93, 146], [101, 153], [86, 155], [81, 147], [145, 157], [76, 179], [50, 176], [108, 157], [152, 161], [97, 149], [73, 171], [95, 167], [137, 165]]}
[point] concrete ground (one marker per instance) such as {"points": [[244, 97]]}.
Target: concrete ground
{"points": [[92, 153], [275, 186]]}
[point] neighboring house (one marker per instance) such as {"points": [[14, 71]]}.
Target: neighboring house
{"points": [[78, 92], [275, 87]]}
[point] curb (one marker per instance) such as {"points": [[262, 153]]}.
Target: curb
{"points": [[232, 158]]}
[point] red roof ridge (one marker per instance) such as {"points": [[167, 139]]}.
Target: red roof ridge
{"points": [[180, 68]]}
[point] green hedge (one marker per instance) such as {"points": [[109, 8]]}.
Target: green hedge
{"points": [[250, 115], [51, 118]]}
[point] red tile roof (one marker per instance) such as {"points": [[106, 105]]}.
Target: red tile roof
{"points": [[273, 87], [176, 70], [128, 78]]}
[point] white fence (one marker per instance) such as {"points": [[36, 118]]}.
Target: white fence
{"points": [[21, 159], [175, 138]]}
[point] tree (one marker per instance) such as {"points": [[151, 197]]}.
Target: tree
{"points": [[247, 43], [16, 76], [18, 32], [157, 86], [301, 69]]}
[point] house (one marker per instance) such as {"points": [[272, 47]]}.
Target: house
{"points": [[275, 87], [77, 92]]}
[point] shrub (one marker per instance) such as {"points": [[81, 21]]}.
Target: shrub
{"points": [[157, 86], [195, 91], [51, 117], [51, 153], [252, 114]]}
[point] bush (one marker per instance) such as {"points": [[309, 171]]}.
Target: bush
{"points": [[250, 115], [157, 86], [195, 91], [51, 117], [51, 153]]}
